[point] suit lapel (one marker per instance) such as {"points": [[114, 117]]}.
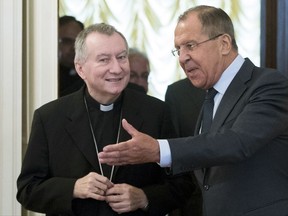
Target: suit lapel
{"points": [[130, 112], [78, 128], [232, 95]]}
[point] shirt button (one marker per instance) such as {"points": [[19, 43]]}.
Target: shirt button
{"points": [[206, 187]]}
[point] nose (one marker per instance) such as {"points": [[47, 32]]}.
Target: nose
{"points": [[184, 56], [115, 66]]}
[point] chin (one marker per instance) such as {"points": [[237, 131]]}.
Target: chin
{"points": [[196, 83], [116, 90]]}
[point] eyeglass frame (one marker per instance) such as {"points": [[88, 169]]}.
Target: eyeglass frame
{"points": [[190, 46]]}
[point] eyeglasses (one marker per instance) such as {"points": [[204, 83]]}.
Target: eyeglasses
{"points": [[191, 46]]}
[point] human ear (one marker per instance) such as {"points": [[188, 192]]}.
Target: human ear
{"points": [[226, 44], [79, 70]]}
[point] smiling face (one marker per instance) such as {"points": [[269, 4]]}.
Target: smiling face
{"points": [[205, 63], [106, 69]]}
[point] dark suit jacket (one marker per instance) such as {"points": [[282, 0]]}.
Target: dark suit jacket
{"points": [[246, 151], [67, 82], [185, 102], [61, 150]]}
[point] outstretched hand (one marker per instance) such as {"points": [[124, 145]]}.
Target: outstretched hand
{"points": [[141, 148]]}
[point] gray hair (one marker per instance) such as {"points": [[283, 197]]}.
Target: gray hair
{"points": [[214, 21], [80, 45]]}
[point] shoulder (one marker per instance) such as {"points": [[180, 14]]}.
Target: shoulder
{"points": [[62, 105], [261, 75], [138, 97], [249, 71], [180, 84]]}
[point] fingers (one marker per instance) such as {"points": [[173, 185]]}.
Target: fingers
{"points": [[109, 156], [112, 158], [142, 148], [125, 198], [118, 198], [93, 186], [121, 146], [116, 189], [115, 154], [129, 128], [105, 183]]}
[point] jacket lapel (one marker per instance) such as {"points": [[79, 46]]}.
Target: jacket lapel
{"points": [[78, 128], [232, 95], [130, 112]]}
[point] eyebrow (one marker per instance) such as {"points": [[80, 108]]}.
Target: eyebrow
{"points": [[103, 55], [108, 54], [188, 42]]}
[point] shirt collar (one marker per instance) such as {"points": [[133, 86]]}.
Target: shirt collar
{"points": [[92, 103], [229, 74]]}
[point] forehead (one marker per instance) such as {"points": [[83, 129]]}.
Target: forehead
{"points": [[138, 64], [188, 29], [102, 43], [135, 59]]}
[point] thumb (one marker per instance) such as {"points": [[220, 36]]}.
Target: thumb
{"points": [[129, 128]]}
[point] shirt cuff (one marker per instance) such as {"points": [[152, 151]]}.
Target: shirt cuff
{"points": [[165, 153]]}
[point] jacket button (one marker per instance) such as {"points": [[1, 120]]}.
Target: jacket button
{"points": [[206, 187]]}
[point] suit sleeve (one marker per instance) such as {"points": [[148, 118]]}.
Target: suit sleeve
{"points": [[37, 190], [255, 121]]}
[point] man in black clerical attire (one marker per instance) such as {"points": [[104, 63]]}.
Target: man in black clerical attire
{"points": [[61, 173]]}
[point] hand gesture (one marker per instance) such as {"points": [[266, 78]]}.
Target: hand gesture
{"points": [[140, 149]]}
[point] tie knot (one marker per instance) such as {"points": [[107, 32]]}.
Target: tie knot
{"points": [[211, 94]]}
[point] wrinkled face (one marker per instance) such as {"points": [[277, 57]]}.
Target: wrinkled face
{"points": [[106, 70], [139, 69], [203, 64], [66, 36]]}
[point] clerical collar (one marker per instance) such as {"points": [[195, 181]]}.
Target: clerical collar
{"points": [[102, 107], [106, 108]]}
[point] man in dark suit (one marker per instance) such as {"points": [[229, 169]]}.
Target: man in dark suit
{"points": [[241, 161], [61, 174], [185, 102], [68, 79]]}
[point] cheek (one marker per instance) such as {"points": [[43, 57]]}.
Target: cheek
{"points": [[126, 70], [182, 65]]}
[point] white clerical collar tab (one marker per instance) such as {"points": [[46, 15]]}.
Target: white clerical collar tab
{"points": [[106, 108]]}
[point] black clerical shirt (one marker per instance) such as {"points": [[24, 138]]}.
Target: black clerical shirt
{"points": [[105, 124]]}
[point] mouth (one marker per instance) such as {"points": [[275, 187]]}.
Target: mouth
{"points": [[113, 79], [191, 70]]}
